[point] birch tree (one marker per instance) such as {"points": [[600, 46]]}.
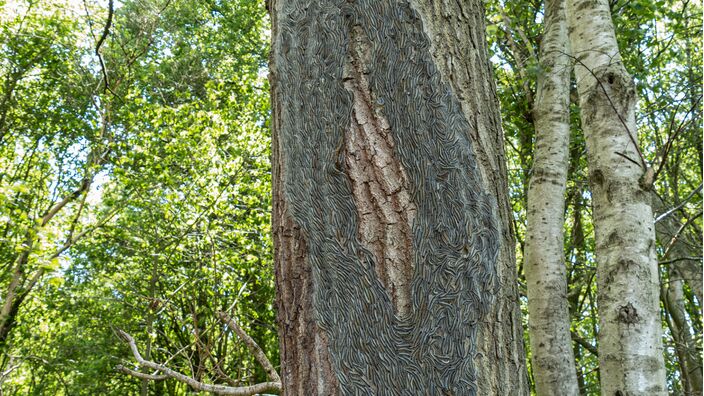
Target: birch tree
{"points": [[630, 349], [678, 249], [549, 318], [393, 250]]}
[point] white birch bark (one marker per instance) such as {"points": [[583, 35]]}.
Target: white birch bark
{"points": [[548, 320], [630, 348]]}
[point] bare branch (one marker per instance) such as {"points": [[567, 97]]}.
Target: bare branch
{"points": [[197, 385], [675, 238], [678, 207], [643, 162], [518, 56], [671, 138], [585, 344], [693, 258], [251, 345], [152, 377], [106, 31], [71, 241]]}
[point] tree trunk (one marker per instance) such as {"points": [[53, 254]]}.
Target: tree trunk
{"points": [[669, 233], [394, 258], [549, 319], [674, 238], [630, 349], [688, 356]]}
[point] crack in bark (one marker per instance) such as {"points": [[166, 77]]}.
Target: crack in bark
{"points": [[379, 182]]}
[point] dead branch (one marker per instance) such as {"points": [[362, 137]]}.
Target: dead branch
{"points": [[197, 385], [251, 345], [152, 377]]}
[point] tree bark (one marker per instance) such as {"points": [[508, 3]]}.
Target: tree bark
{"points": [[630, 348], [673, 236], [394, 258], [669, 234], [689, 358], [549, 319]]}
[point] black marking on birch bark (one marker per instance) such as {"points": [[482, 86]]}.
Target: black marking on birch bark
{"points": [[628, 314], [455, 233]]}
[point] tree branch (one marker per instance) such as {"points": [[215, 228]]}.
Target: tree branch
{"points": [[671, 138], [643, 162], [152, 377], [197, 385], [72, 241], [584, 343], [692, 258], [251, 345], [85, 185], [678, 207], [106, 31]]}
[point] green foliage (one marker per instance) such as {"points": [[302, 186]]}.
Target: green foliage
{"points": [[145, 206], [174, 225]]}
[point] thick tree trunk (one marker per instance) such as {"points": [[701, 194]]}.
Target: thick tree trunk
{"points": [[394, 262], [549, 318], [630, 349]]}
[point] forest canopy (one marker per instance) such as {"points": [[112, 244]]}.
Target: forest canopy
{"points": [[136, 188]]}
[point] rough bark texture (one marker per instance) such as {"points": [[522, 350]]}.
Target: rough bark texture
{"points": [[394, 261], [630, 349], [458, 47], [549, 319]]}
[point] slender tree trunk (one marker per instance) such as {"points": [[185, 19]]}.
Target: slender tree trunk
{"points": [[689, 358], [549, 319], [674, 238], [670, 235], [630, 349], [150, 318], [394, 264]]}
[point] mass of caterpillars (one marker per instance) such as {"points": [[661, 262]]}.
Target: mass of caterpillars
{"points": [[455, 231]]}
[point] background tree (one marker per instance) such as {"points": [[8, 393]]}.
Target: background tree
{"points": [[655, 37], [546, 281], [620, 179]]}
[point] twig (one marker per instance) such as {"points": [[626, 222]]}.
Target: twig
{"points": [[676, 237], [520, 61], [678, 207], [671, 138], [85, 185], [693, 258], [643, 164], [73, 240]]}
